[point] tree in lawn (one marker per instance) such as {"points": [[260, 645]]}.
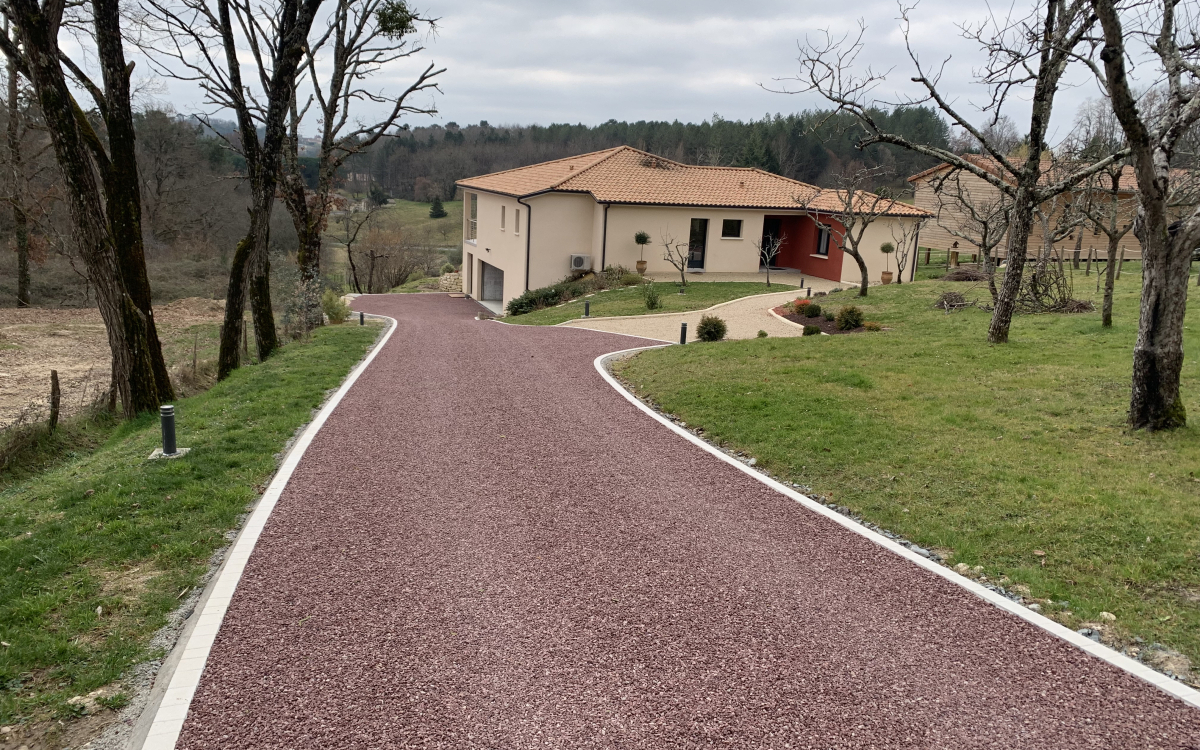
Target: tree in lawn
{"points": [[205, 41], [768, 249], [1107, 203], [853, 207], [976, 212], [676, 253], [436, 209], [99, 178], [905, 235], [1025, 55], [1153, 134], [360, 39]]}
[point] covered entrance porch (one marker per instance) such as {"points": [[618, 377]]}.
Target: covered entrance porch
{"points": [[809, 246]]}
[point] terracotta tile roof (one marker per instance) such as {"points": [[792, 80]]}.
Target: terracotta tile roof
{"points": [[627, 175]]}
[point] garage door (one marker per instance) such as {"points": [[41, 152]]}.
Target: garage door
{"points": [[493, 283]]}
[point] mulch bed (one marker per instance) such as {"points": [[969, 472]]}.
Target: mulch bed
{"points": [[826, 326]]}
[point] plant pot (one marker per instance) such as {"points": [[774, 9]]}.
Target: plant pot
{"points": [[886, 277], [641, 267]]}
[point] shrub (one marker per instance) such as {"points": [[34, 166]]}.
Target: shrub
{"points": [[812, 311], [416, 275], [829, 315], [711, 328], [799, 304], [872, 325], [631, 279], [536, 299], [650, 294], [333, 306], [762, 334], [835, 290], [811, 330], [448, 268], [849, 318], [436, 209]]}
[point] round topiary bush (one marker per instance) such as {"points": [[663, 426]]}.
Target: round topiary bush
{"points": [[762, 334], [812, 330], [448, 268], [711, 328], [812, 310], [872, 325], [829, 315], [849, 318]]}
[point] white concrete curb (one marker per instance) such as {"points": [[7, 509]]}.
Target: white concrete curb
{"points": [[1179, 690], [566, 323], [172, 711]]}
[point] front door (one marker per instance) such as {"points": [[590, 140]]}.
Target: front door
{"points": [[697, 243], [772, 230]]}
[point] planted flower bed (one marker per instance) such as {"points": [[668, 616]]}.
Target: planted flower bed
{"points": [[807, 312]]}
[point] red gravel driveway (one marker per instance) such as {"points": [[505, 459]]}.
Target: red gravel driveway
{"points": [[488, 547]]}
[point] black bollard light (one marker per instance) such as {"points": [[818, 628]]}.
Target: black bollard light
{"points": [[166, 415], [587, 308], [683, 333], [810, 291], [362, 319]]}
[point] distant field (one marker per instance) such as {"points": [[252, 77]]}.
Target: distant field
{"points": [[414, 216]]}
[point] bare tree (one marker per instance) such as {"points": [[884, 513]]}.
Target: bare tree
{"points": [[1030, 52], [205, 41], [361, 38], [353, 223], [768, 249], [1153, 135], [676, 253], [100, 179], [978, 216], [16, 181], [853, 207], [905, 236]]}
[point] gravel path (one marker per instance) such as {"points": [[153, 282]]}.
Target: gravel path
{"points": [[488, 547], [744, 317]]}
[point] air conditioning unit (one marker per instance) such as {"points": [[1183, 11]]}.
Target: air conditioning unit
{"points": [[581, 262]]}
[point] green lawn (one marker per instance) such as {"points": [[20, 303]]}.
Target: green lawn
{"points": [[414, 217], [95, 552], [629, 301], [992, 452]]}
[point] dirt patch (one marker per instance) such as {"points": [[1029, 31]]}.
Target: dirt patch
{"points": [[34, 341], [826, 326]]}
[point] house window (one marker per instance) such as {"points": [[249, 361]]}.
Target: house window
{"points": [[517, 221], [822, 240], [731, 228], [502, 211], [473, 217]]}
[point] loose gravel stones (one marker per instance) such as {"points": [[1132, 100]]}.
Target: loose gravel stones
{"points": [[591, 579]]}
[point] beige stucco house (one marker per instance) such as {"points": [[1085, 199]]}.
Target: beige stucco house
{"points": [[523, 227], [941, 191]]}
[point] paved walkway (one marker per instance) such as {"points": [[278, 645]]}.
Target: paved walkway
{"points": [[486, 546], [744, 317]]}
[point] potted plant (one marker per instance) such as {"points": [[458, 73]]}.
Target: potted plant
{"points": [[642, 239], [887, 249]]}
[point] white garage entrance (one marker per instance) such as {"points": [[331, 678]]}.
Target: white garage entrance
{"points": [[491, 292]]}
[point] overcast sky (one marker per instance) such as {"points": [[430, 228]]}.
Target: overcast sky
{"points": [[587, 61], [543, 61]]}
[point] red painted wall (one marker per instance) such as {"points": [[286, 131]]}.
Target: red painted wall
{"points": [[800, 247]]}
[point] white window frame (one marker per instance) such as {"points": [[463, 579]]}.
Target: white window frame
{"points": [[741, 229], [503, 216], [472, 218], [516, 221], [823, 236]]}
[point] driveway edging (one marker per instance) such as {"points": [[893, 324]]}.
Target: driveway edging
{"points": [[195, 645], [1183, 692], [667, 314]]}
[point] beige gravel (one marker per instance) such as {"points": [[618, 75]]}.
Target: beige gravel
{"points": [[745, 317]]}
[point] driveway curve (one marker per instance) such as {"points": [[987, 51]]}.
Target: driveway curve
{"points": [[488, 547], [744, 318]]}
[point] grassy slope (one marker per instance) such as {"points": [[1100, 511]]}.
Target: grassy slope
{"points": [[990, 451], [112, 530], [414, 217], [629, 301]]}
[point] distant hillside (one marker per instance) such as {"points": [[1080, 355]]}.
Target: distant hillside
{"points": [[810, 146]]}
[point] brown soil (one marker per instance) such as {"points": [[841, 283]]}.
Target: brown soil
{"points": [[34, 341], [826, 326]]}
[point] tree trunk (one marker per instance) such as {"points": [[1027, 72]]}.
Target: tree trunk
{"points": [[862, 269], [1110, 283], [77, 150], [122, 186], [1156, 403], [17, 188], [229, 357], [1018, 241]]}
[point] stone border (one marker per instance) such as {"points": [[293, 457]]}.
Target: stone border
{"points": [[191, 653], [1179, 690], [668, 314]]}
